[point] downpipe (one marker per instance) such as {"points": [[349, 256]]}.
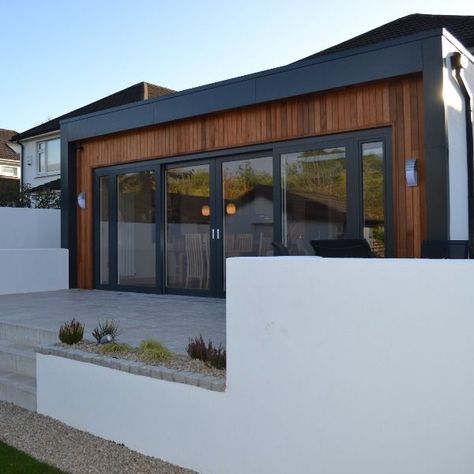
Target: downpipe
{"points": [[457, 64]]}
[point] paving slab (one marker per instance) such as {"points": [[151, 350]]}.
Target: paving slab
{"points": [[170, 319]]}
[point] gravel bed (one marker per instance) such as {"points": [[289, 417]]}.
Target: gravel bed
{"points": [[71, 450], [178, 362]]}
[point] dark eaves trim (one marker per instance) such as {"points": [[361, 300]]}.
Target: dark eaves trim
{"points": [[388, 59]]}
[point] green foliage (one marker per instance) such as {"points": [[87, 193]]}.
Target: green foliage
{"points": [[9, 192], [215, 356], [241, 179], [47, 199], [14, 195], [153, 351], [373, 187], [116, 348], [321, 172], [13, 461], [107, 327], [71, 332]]}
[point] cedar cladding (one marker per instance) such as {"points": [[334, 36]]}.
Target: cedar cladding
{"points": [[396, 102]]}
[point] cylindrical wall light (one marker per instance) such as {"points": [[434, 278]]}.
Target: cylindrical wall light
{"points": [[81, 200]]}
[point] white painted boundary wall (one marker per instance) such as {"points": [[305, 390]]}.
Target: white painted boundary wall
{"points": [[29, 228], [33, 270], [334, 366]]}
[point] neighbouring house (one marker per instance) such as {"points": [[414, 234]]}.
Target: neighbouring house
{"points": [[370, 138], [9, 167], [9, 156], [40, 145]]}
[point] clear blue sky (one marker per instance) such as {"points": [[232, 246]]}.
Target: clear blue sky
{"points": [[61, 55]]}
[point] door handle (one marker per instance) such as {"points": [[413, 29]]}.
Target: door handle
{"points": [[218, 236], [212, 234]]}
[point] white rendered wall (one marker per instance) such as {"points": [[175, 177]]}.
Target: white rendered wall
{"points": [[33, 270], [334, 366], [29, 228], [456, 127], [30, 171]]}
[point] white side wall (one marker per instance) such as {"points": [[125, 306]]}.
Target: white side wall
{"points": [[30, 165], [334, 366], [33, 270], [29, 228], [456, 127]]}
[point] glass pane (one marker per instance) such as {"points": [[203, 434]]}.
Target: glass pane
{"points": [[373, 182], [136, 229], [188, 215], [248, 207], [104, 229], [41, 162], [314, 197], [53, 154]]}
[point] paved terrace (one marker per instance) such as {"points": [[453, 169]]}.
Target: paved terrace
{"points": [[168, 318]]}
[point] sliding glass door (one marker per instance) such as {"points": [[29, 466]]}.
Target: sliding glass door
{"points": [[188, 227], [247, 204], [215, 210], [126, 229], [170, 225], [136, 233]]}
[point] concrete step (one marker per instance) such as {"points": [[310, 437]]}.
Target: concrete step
{"points": [[17, 358], [27, 335], [18, 389]]}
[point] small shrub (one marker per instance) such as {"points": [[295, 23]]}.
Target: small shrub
{"points": [[215, 356], [107, 327], [153, 351], [71, 332], [116, 348]]}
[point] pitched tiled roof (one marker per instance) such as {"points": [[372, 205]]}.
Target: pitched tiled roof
{"points": [[462, 27], [5, 151], [135, 93]]}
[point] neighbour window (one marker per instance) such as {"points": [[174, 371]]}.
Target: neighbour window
{"points": [[9, 171], [48, 156]]}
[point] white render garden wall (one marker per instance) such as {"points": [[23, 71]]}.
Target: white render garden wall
{"points": [[33, 270], [334, 366], [29, 228], [31, 259]]}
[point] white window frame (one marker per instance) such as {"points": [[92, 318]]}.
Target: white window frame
{"points": [[38, 162], [10, 167]]}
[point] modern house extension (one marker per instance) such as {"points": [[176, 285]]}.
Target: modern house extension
{"points": [[371, 139]]}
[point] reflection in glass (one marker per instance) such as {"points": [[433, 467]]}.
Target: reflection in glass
{"points": [[373, 184], [136, 229], [248, 207], [314, 197], [188, 215], [104, 229]]}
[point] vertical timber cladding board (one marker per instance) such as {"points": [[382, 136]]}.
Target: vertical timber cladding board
{"points": [[395, 102]]}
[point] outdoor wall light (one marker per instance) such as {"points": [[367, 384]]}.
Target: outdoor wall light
{"points": [[206, 210], [230, 208], [411, 172], [81, 200]]}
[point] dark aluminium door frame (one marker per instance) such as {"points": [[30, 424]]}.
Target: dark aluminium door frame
{"points": [[352, 141]]}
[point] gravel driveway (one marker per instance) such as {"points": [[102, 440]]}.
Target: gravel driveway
{"points": [[72, 450]]}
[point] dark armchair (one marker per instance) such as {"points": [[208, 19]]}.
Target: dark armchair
{"points": [[355, 248]]}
